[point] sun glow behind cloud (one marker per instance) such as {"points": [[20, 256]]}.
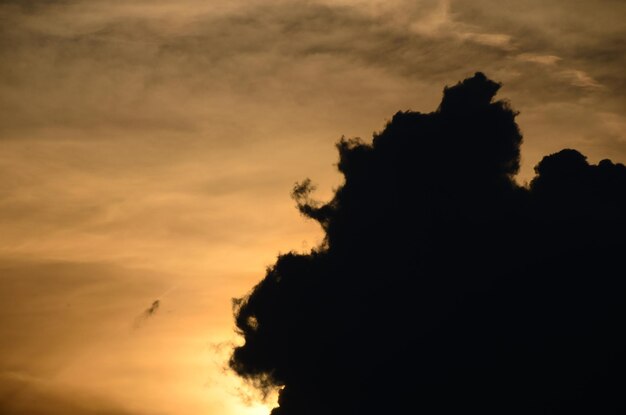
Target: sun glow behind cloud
{"points": [[146, 145]]}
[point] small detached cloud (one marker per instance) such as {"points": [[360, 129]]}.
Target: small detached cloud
{"points": [[147, 313]]}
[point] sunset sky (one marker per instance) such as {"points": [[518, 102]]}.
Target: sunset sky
{"points": [[148, 149]]}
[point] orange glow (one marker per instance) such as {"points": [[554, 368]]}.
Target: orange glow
{"points": [[148, 148]]}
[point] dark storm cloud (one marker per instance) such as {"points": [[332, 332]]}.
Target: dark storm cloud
{"points": [[444, 287]]}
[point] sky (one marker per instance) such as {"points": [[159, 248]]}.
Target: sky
{"points": [[148, 149]]}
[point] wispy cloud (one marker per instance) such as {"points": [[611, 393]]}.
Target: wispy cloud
{"points": [[548, 60], [580, 78]]}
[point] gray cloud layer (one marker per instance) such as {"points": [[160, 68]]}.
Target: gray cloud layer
{"points": [[73, 64]]}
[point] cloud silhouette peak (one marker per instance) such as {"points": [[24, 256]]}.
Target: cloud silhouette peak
{"points": [[443, 286]]}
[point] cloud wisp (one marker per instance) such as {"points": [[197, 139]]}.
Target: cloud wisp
{"points": [[147, 313]]}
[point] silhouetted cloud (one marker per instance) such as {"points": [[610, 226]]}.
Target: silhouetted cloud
{"points": [[444, 287], [150, 311], [147, 313]]}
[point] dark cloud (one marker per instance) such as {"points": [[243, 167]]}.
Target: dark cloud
{"points": [[153, 308], [444, 287], [147, 313]]}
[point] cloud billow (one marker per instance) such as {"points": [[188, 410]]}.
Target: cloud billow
{"points": [[442, 285]]}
